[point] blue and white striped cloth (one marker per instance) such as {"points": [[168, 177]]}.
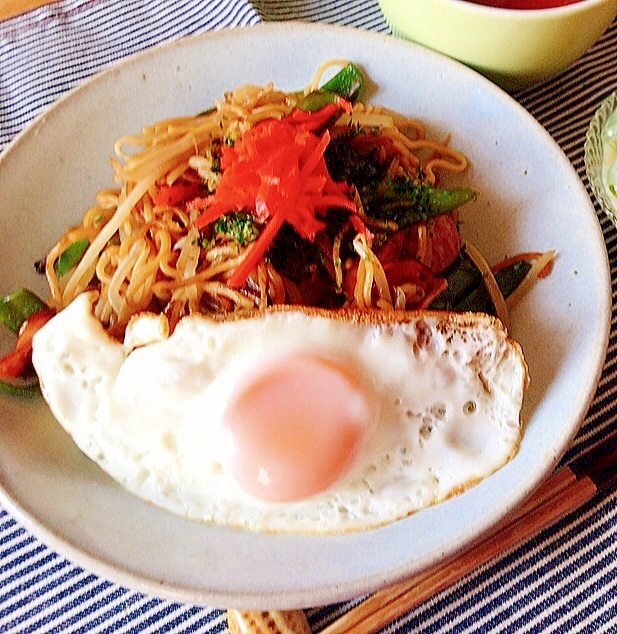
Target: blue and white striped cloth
{"points": [[564, 580]]}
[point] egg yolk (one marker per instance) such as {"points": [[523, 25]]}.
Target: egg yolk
{"points": [[297, 427]]}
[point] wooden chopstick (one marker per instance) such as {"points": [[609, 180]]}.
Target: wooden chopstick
{"points": [[560, 494]]}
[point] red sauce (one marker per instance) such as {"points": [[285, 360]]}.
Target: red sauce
{"points": [[524, 4]]}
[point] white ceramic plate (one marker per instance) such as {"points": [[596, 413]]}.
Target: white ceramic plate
{"points": [[531, 199]]}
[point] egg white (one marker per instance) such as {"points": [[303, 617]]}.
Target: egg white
{"points": [[148, 411]]}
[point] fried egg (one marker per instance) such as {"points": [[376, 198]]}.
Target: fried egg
{"points": [[290, 420]]}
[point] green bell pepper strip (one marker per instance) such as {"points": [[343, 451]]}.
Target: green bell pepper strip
{"points": [[465, 291], [27, 390], [509, 278], [71, 256], [406, 203], [347, 83], [463, 278], [316, 100], [16, 307], [443, 201]]}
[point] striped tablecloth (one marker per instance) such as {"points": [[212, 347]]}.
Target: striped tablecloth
{"points": [[564, 580]]}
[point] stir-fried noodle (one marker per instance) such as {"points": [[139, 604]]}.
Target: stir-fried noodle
{"points": [[145, 252]]}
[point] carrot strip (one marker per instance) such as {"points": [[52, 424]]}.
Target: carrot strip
{"points": [[256, 252], [312, 161], [176, 193], [212, 213], [277, 171]]}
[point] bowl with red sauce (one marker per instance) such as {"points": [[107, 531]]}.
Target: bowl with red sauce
{"points": [[516, 43]]}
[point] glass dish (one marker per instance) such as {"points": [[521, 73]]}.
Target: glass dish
{"points": [[595, 156]]}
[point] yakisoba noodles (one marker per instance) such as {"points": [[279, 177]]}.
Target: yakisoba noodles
{"points": [[144, 251]]}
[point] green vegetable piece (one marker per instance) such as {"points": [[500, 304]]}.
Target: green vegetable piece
{"points": [[71, 256], [445, 200], [406, 202], [466, 292], [316, 100], [347, 83], [463, 277], [509, 278], [16, 307], [477, 301], [237, 225], [27, 390]]}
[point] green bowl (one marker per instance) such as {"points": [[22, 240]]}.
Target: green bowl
{"points": [[515, 48]]}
